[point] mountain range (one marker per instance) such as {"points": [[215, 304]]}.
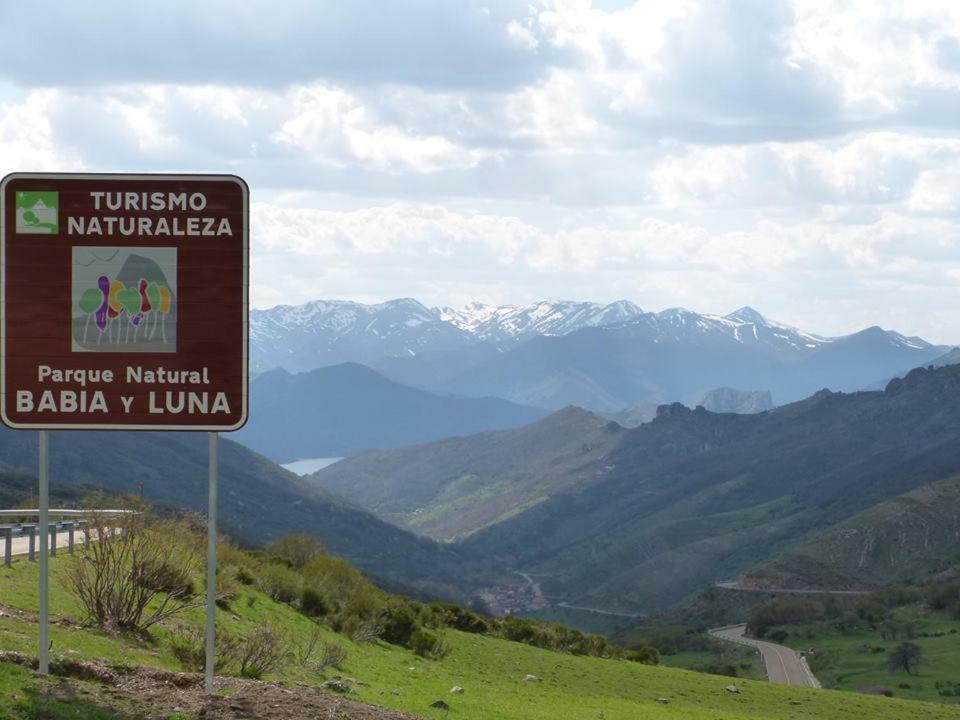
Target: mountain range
{"points": [[637, 520], [603, 357]]}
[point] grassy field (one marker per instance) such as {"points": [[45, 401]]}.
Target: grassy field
{"points": [[491, 671], [856, 660]]}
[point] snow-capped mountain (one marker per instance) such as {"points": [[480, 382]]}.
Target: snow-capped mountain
{"points": [[745, 326], [599, 356], [500, 323], [329, 332]]}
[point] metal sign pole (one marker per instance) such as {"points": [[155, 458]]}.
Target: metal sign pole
{"points": [[44, 535], [211, 563]]}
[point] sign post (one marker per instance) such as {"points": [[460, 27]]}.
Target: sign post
{"points": [[44, 656], [123, 306], [211, 656]]}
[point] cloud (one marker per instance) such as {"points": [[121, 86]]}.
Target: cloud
{"points": [[797, 272], [432, 43], [882, 168], [332, 127], [800, 156]]}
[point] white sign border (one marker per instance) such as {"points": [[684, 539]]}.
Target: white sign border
{"points": [[245, 191]]}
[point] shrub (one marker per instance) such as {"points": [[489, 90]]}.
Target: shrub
{"points": [[399, 623], [262, 651], [304, 649], [427, 644], [228, 589], [649, 655], [280, 582], [519, 630], [458, 618], [245, 577], [297, 550], [778, 636], [784, 611], [362, 630], [137, 578], [312, 603], [672, 640], [188, 646], [333, 655], [716, 667]]}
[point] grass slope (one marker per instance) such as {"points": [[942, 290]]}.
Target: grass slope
{"points": [[491, 671], [259, 500], [857, 659], [454, 487], [905, 539]]}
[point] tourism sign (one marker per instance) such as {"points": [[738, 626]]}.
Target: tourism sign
{"points": [[123, 301]]}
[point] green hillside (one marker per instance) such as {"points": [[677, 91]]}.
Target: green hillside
{"points": [[491, 672], [259, 500], [695, 497], [905, 539], [452, 488]]}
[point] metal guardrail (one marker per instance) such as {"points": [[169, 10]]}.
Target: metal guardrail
{"points": [[70, 521], [64, 513]]}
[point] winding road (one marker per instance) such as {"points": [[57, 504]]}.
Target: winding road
{"points": [[783, 665]]}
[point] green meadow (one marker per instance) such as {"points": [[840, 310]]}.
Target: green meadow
{"points": [[491, 671], [857, 659]]}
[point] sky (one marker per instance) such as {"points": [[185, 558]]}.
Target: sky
{"points": [[799, 157]]}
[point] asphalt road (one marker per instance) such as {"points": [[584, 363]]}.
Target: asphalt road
{"points": [[732, 585], [783, 665], [21, 545]]}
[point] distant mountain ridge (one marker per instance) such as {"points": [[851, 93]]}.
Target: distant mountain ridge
{"points": [[603, 357], [344, 409]]}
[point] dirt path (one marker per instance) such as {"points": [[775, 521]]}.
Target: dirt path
{"points": [[147, 692]]}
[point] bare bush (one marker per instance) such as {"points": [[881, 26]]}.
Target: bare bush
{"points": [[188, 645], [137, 576], [262, 651], [333, 655], [303, 650], [362, 630]]}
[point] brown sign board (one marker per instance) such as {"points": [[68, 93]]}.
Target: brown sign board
{"points": [[123, 301]]}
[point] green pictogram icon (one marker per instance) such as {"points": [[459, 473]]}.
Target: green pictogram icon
{"points": [[37, 211]]}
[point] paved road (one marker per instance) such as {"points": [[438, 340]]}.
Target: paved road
{"points": [[21, 545], [783, 665], [788, 591]]}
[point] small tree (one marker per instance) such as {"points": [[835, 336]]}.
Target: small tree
{"points": [[906, 656], [137, 575]]}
